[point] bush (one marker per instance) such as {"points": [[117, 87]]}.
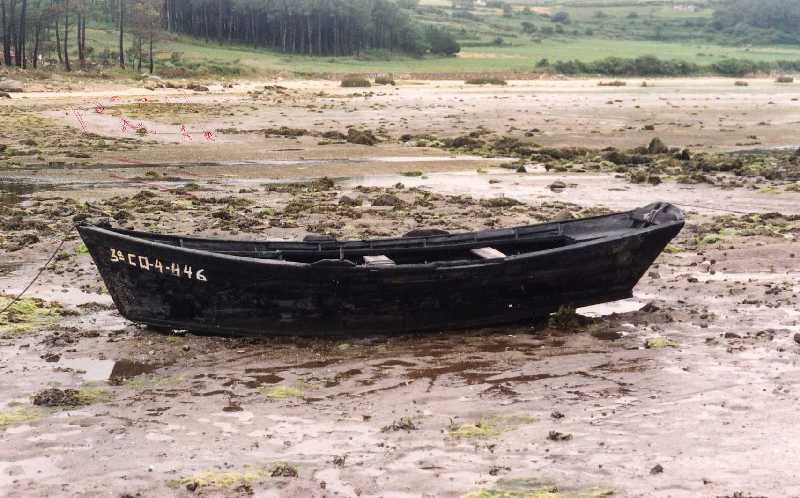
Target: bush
{"points": [[442, 42], [612, 83], [741, 83], [354, 82], [486, 81], [560, 17], [784, 79], [384, 80]]}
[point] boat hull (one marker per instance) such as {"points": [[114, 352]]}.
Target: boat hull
{"points": [[206, 292]]}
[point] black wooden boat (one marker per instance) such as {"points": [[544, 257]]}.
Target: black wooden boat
{"points": [[426, 280]]}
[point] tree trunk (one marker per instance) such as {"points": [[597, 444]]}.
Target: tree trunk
{"points": [[121, 33], [78, 37], [6, 37], [36, 44], [21, 62], [151, 54], [58, 44], [66, 36]]}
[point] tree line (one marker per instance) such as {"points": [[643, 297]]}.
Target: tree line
{"points": [[51, 31], [311, 27], [782, 15]]}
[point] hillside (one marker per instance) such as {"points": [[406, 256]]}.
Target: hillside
{"points": [[523, 37]]}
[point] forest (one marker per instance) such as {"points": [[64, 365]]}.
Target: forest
{"points": [[42, 30], [778, 21], [53, 32]]}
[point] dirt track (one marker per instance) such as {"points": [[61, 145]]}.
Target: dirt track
{"points": [[397, 417]]}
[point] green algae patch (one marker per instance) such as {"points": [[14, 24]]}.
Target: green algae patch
{"points": [[81, 250], [151, 381], [660, 342], [27, 314], [20, 414], [487, 427], [280, 391], [534, 488], [236, 478], [672, 249], [88, 395]]}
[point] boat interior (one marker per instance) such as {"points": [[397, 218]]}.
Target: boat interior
{"points": [[416, 247]]}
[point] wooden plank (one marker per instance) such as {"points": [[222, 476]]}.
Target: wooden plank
{"points": [[488, 253], [379, 260]]}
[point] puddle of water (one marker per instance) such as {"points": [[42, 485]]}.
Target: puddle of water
{"points": [[92, 370], [7, 268], [605, 309], [127, 369], [748, 276], [104, 370]]}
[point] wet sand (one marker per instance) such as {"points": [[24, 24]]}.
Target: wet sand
{"points": [[588, 410]]}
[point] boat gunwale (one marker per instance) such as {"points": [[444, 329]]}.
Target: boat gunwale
{"points": [[435, 265]]}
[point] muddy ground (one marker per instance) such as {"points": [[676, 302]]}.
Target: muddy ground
{"points": [[547, 409]]}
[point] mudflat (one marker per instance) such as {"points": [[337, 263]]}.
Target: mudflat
{"points": [[685, 390]]}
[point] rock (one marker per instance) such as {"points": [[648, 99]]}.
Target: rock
{"points": [[557, 415], [349, 201], [196, 87], [564, 215], [557, 186], [684, 155], [10, 86], [5, 95], [657, 147], [797, 338], [152, 85], [558, 436], [57, 397], [387, 200], [658, 469]]}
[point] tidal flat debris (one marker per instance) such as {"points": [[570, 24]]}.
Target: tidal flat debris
{"points": [[235, 479], [660, 342], [488, 427], [558, 436], [566, 318], [69, 398], [402, 424]]}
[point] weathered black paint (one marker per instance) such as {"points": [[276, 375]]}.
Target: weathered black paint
{"points": [[435, 284]]}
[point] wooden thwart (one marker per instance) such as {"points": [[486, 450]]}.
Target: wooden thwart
{"points": [[488, 253], [379, 260]]}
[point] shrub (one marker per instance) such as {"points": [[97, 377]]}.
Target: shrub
{"points": [[486, 81], [384, 80], [784, 79], [741, 83], [612, 83], [355, 82], [560, 17], [442, 42]]}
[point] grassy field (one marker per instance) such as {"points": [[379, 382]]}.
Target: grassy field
{"points": [[494, 43]]}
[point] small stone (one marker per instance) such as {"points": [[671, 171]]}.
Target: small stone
{"points": [[658, 469]]}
